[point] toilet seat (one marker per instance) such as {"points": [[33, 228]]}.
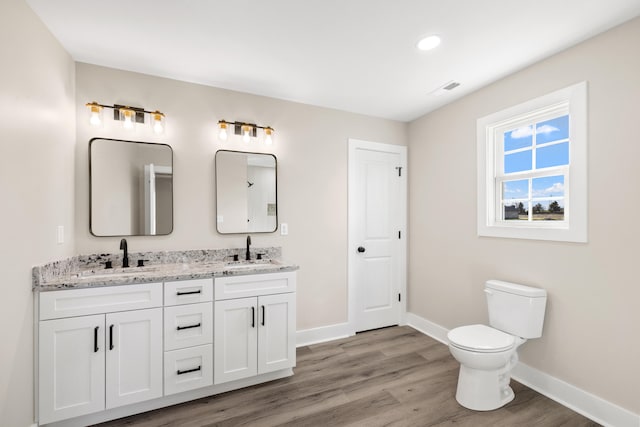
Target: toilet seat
{"points": [[481, 339]]}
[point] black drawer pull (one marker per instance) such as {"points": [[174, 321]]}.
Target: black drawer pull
{"points": [[197, 325], [95, 339], [111, 337], [199, 291], [189, 370], [253, 317], [263, 316]]}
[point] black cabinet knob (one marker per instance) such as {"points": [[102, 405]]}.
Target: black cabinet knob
{"points": [[361, 249]]}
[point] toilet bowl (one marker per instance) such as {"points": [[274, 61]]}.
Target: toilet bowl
{"points": [[486, 357], [487, 354]]}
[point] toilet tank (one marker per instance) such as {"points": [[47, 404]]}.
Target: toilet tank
{"points": [[516, 309]]}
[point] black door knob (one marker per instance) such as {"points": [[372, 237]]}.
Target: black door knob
{"points": [[361, 249]]}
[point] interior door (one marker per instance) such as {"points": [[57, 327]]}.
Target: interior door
{"points": [[376, 235]]}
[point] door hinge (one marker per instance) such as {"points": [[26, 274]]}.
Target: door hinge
{"points": [[399, 299], [399, 170]]}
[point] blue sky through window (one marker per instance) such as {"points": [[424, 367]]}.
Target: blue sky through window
{"points": [[548, 131]]}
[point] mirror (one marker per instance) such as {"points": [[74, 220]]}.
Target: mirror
{"points": [[246, 192], [131, 188]]}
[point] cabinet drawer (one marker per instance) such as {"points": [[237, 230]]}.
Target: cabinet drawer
{"points": [[188, 369], [188, 325], [188, 291], [254, 285], [80, 302]]}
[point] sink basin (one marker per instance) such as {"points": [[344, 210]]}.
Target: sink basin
{"points": [[257, 265], [113, 272]]}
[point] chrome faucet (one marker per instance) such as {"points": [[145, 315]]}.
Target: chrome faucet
{"points": [[248, 256], [125, 256]]}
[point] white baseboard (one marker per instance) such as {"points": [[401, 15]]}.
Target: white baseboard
{"points": [[427, 327], [574, 398], [323, 334]]}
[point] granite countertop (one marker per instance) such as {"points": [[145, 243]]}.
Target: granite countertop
{"points": [[88, 271]]}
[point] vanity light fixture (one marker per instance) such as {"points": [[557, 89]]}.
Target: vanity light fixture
{"points": [[246, 130], [128, 115]]}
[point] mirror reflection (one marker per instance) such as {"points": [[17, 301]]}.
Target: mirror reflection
{"points": [[131, 185], [246, 192]]}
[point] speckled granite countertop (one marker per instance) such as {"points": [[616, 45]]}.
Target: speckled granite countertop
{"points": [[88, 271]]}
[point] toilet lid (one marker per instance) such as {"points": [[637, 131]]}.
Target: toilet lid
{"points": [[480, 338]]}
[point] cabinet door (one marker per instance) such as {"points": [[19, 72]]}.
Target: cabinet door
{"points": [[133, 356], [276, 332], [71, 367], [235, 339]]}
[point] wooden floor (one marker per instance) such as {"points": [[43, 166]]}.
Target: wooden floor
{"points": [[387, 377]]}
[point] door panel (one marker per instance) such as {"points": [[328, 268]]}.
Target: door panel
{"points": [[376, 210], [134, 356], [236, 340], [276, 332], [71, 367]]}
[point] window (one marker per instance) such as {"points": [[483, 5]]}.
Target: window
{"points": [[532, 169]]}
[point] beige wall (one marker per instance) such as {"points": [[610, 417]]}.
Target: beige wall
{"points": [[37, 140], [311, 147], [590, 337]]}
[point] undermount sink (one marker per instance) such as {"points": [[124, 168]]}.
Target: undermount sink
{"points": [[113, 272], [252, 265]]}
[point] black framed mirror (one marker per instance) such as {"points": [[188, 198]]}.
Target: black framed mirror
{"points": [[131, 188], [246, 192]]}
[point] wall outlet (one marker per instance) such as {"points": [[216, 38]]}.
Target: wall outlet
{"points": [[284, 229], [60, 234]]}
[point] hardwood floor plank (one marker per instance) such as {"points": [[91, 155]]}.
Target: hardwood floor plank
{"points": [[387, 377]]}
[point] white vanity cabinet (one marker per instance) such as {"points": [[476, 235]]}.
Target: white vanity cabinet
{"points": [[93, 357], [254, 334]]}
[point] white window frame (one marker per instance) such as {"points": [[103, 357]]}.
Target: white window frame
{"points": [[490, 131]]}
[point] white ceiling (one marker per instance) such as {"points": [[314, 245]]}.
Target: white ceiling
{"points": [[353, 55]]}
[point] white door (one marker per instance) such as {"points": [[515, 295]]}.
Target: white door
{"points": [[377, 208], [71, 367], [235, 335], [276, 332], [133, 356]]}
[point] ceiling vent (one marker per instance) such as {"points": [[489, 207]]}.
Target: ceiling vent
{"points": [[447, 87]]}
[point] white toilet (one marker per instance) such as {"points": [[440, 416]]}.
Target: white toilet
{"points": [[487, 354]]}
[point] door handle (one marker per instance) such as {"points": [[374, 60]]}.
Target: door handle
{"points": [[263, 316], [253, 317], [111, 337], [361, 249], [95, 339]]}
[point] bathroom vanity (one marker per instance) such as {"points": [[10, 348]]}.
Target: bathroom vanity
{"points": [[115, 343]]}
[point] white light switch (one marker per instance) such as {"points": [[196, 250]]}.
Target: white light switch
{"points": [[284, 229], [60, 234]]}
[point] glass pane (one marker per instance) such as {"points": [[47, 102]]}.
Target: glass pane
{"points": [[549, 186], [518, 138], [553, 155], [515, 189], [517, 162], [548, 210], [515, 211], [552, 130]]}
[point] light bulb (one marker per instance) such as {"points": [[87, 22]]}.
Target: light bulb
{"points": [[268, 136], [95, 113], [95, 118], [428, 43], [158, 122], [246, 133], [128, 116], [222, 132]]}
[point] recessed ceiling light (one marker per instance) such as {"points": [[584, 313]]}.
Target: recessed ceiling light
{"points": [[429, 42]]}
